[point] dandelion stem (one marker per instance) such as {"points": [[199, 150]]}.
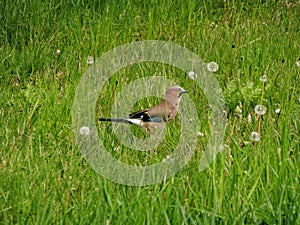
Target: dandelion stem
{"points": [[54, 66], [230, 140]]}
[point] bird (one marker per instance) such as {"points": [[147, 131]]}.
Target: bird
{"points": [[156, 116]]}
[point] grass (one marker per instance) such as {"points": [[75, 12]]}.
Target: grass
{"points": [[44, 179]]}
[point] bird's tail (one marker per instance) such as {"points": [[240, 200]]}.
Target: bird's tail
{"points": [[117, 120], [123, 120]]}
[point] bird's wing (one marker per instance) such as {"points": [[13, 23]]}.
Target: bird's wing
{"points": [[142, 114], [162, 112]]}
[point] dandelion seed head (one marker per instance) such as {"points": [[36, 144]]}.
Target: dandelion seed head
{"points": [[90, 60], [277, 111], [298, 63], [199, 134], [263, 78], [212, 67], [85, 131], [260, 110], [57, 52], [255, 136], [192, 75]]}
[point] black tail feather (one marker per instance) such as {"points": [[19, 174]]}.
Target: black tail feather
{"points": [[117, 120]]}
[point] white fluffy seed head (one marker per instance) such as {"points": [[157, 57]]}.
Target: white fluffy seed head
{"points": [[212, 67], [85, 131]]}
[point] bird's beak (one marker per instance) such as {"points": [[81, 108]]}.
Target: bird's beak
{"points": [[182, 92]]}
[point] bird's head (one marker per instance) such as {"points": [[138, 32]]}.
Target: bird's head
{"points": [[173, 95]]}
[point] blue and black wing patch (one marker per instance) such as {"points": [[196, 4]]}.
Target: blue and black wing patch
{"points": [[145, 117]]}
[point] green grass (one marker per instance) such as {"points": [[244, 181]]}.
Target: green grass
{"points": [[44, 179]]}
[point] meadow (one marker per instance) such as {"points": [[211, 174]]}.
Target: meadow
{"points": [[45, 48]]}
